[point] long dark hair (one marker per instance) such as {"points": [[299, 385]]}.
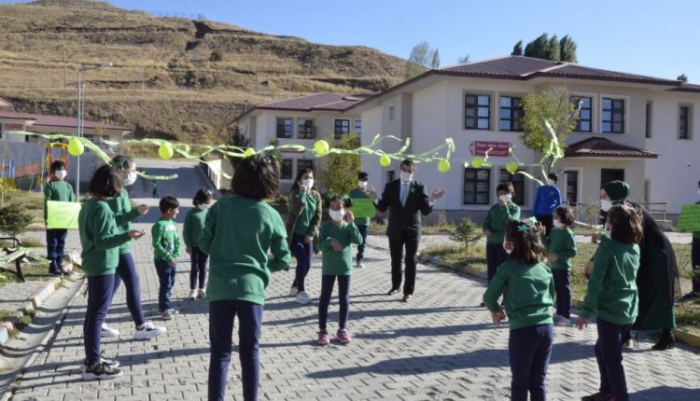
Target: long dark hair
{"points": [[626, 224], [301, 174], [526, 241]]}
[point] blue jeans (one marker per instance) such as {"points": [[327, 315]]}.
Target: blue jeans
{"points": [[562, 285], [608, 354], [99, 297], [198, 268], [495, 256], [166, 276], [529, 349], [361, 248], [126, 271], [55, 244], [221, 315], [327, 283], [303, 253]]}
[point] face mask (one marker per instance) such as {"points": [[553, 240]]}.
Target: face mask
{"points": [[406, 177], [505, 198], [607, 232], [131, 178], [558, 224], [203, 206], [362, 184], [337, 215], [550, 182], [308, 183], [61, 174], [605, 205], [505, 248]]}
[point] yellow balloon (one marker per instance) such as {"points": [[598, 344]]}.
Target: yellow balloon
{"points": [[165, 150], [512, 167], [444, 166], [75, 147], [321, 147], [249, 152], [477, 162], [384, 161]]}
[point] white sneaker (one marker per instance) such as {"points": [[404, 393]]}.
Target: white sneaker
{"points": [[202, 294], [108, 331], [561, 321], [303, 298], [293, 291], [193, 295], [360, 265], [148, 330]]}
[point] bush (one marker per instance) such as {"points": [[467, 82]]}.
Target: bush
{"points": [[14, 219], [216, 56], [467, 233]]}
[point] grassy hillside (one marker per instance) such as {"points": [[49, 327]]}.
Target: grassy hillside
{"points": [[172, 77]]}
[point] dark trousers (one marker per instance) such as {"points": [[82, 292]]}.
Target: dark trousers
{"points": [[55, 244], [99, 297], [198, 268], [126, 272], [361, 248], [529, 349], [695, 260], [303, 253], [327, 283], [166, 276], [562, 286], [396, 245], [495, 256], [548, 222], [608, 354], [221, 315]]}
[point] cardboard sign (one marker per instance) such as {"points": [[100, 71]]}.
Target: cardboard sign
{"points": [[363, 207], [63, 215], [689, 220]]}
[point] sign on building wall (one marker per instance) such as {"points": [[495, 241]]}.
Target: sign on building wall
{"points": [[479, 148]]}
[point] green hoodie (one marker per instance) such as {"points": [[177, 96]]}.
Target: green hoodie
{"points": [[338, 263], [498, 218], [561, 242], [194, 223], [123, 215], [99, 238], [57, 190], [166, 240]]}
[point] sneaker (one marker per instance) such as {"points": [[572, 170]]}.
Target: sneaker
{"points": [[148, 330], [303, 298], [101, 371], [113, 363], [323, 338], [360, 265], [562, 321], [108, 331], [193, 295], [293, 291], [202, 293], [343, 336], [169, 314], [596, 397]]}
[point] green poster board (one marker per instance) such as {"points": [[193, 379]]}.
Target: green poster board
{"points": [[363, 207], [63, 215], [689, 220]]}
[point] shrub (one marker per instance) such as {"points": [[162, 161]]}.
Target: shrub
{"points": [[14, 219], [467, 233], [216, 56]]}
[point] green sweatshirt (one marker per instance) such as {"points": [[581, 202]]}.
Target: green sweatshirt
{"points": [[57, 191], [561, 242], [337, 263], [612, 288], [166, 240], [99, 238], [123, 215], [358, 194], [497, 220], [304, 222], [529, 293], [194, 223], [239, 265]]}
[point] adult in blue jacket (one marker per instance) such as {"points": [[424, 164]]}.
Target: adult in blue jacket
{"points": [[547, 199]]}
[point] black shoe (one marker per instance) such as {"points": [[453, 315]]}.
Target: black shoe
{"points": [[688, 297], [407, 298], [392, 291], [595, 397], [667, 341], [54, 272], [101, 371], [482, 304]]}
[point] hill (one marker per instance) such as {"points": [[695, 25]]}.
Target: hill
{"points": [[172, 77]]}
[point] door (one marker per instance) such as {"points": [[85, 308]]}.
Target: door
{"points": [[611, 174]]}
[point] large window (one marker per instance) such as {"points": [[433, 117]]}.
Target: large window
{"points": [[511, 114], [358, 127], [342, 127], [303, 164], [571, 188], [477, 112], [585, 115], [477, 183], [613, 116], [684, 123], [305, 128], [518, 181], [611, 174], [285, 127], [287, 169]]}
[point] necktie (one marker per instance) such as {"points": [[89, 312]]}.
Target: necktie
{"points": [[404, 194]]}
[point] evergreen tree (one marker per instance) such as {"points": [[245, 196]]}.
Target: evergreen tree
{"points": [[682, 78], [567, 48], [554, 50], [436, 59], [463, 60], [517, 49]]}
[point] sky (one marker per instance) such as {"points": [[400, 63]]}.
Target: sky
{"points": [[649, 37]]}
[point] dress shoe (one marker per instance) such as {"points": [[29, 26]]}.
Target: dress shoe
{"points": [[407, 298], [392, 291], [667, 341]]}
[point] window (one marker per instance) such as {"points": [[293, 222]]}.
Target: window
{"points": [[342, 127], [684, 123], [285, 126], [477, 182], [358, 127], [613, 116], [611, 174], [585, 115], [390, 176], [303, 164], [647, 123], [571, 188], [305, 128], [518, 181], [477, 112], [511, 114], [391, 112], [286, 169]]}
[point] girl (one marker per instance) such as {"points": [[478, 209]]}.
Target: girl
{"points": [[56, 190], [335, 241], [238, 233], [100, 240], [302, 225], [495, 224], [612, 295], [561, 247], [528, 290], [194, 222], [126, 269]]}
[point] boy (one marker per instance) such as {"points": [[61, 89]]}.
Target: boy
{"points": [[57, 190], [166, 244], [362, 223]]}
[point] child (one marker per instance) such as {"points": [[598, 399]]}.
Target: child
{"points": [[547, 199], [528, 290], [57, 190], [238, 233], [612, 295], [100, 241], [166, 244], [362, 223], [335, 239], [126, 269], [155, 189], [194, 222], [561, 246], [495, 224]]}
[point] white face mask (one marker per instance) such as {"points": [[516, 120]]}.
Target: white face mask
{"points": [[607, 232], [131, 178], [336, 215], [550, 182], [505, 198], [605, 205], [203, 206], [61, 174], [308, 183], [558, 224], [406, 177], [362, 184], [505, 248]]}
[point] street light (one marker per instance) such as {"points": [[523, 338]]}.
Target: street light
{"points": [[80, 117]]}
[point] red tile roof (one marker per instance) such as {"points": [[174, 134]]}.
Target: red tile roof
{"points": [[602, 147], [59, 121], [17, 116], [687, 88], [317, 102]]}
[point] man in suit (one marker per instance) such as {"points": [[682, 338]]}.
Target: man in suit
{"points": [[406, 200]]}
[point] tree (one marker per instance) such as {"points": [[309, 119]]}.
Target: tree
{"points": [[463, 60], [275, 153], [682, 78], [14, 219], [422, 57], [436, 59], [338, 173], [239, 140], [555, 107], [467, 233], [517, 49], [567, 49], [547, 48], [554, 50], [538, 48]]}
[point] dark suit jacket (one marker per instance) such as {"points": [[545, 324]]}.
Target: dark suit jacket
{"points": [[401, 217]]}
